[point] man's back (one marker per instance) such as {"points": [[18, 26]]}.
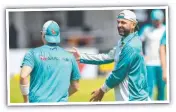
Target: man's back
{"points": [[53, 69]]}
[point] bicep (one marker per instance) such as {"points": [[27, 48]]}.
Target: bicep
{"points": [[162, 52], [25, 71]]}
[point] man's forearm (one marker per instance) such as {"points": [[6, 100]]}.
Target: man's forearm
{"points": [[105, 88], [96, 59], [74, 86], [24, 86], [163, 57], [24, 83], [72, 90]]}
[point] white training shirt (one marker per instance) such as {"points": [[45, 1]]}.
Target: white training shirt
{"points": [[152, 37]]}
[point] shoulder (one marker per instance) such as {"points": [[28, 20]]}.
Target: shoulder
{"points": [[135, 44], [33, 50], [132, 48], [66, 54], [145, 28], [30, 51], [163, 39]]}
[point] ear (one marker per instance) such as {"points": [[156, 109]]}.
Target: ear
{"points": [[43, 37], [133, 25]]}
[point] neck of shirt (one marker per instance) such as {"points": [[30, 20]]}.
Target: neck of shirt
{"points": [[52, 44], [129, 37]]}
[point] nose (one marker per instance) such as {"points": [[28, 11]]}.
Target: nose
{"points": [[119, 24]]}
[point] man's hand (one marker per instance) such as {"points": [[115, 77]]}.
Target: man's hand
{"points": [[75, 52], [97, 95]]}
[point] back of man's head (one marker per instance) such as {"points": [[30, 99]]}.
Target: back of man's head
{"points": [[51, 32]]}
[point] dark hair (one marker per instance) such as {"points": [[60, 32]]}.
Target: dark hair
{"points": [[136, 28]]}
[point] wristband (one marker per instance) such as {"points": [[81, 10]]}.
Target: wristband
{"points": [[24, 89], [105, 88]]}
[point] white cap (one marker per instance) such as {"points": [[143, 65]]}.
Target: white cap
{"points": [[127, 14]]}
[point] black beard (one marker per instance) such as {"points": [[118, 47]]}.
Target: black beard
{"points": [[126, 33]]}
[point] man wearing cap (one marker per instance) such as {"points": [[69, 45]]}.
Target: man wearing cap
{"points": [[151, 35], [54, 72], [129, 77]]}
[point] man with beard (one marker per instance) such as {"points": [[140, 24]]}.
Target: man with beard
{"points": [[129, 77]]}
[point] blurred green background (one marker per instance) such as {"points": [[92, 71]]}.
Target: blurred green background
{"points": [[83, 95]]}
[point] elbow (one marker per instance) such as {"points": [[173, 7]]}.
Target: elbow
{"points": [[23, 80], [75, 87], [22, 77]]}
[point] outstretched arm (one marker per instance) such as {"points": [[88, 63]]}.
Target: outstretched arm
{"points": [[96, 59]]}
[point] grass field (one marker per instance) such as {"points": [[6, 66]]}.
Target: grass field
{"points": [[83, 95]]}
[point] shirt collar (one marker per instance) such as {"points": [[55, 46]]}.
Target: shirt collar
{"points": [[52, 44], [129, 37]]}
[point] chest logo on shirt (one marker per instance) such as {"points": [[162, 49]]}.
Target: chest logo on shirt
{"points": [[65, 59], [43, 58], [54, 48], [53, 58]]}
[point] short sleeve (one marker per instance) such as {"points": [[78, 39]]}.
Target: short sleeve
{"points": [[28, 59], [75, 70], [163, 40], [143, 31]]}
